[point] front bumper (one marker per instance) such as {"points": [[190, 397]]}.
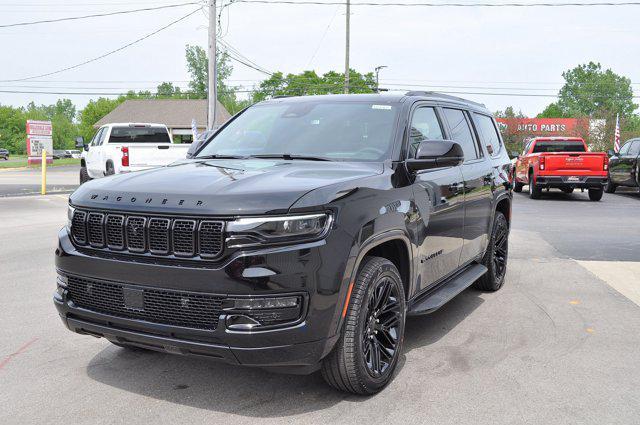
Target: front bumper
{"points": [[574, 182], [297, 347]]}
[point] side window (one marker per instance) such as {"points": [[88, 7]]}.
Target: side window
{"points": [[424, 126], [488, 133], [634, 150], [625, 148], [461, 133], [103, 133], [96, 137]]}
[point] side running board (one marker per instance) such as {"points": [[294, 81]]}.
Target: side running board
{"points": [[439, 296]]}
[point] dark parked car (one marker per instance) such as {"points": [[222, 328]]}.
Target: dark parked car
{"points": [[624, 167], [4, 153], [299, 238]]}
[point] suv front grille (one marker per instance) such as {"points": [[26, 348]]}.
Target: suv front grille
{"points": [[167, 307], [159, 236]]}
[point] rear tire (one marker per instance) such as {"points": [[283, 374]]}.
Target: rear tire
{"points": [[366, 355], [595, 194], [109, 169], [534, 191], [496, 257], [610, 187], [84, 175]]}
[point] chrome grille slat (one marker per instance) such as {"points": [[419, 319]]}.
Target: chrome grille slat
{"points": [[159, 236]]}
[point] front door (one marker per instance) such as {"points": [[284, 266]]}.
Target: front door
{"points": [[621, 166], [439, 196], [477, 172]]}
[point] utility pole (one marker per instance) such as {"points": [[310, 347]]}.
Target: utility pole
{"points": [[212, 69], [346, 54], [377, 69]]}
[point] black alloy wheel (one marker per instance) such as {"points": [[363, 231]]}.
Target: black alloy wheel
{"points": [[380, 339], [496, 257], [366, 355]]}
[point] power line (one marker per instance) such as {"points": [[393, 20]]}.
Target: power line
{"points": [[236, 55], [95, 15], [105, 54], [402, 4]]}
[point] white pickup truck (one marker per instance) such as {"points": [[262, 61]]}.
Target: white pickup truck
{"points": [[125, 147]]}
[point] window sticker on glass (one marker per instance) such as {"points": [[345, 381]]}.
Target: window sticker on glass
{"points": [[382, 107], [315, 122]]}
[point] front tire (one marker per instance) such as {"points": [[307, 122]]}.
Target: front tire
{"points": [[595, 194], [366, 355], [495, 259], [84, 175]]}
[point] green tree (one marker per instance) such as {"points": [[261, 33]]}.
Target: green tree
{"points": [[509, 112], [198, 67], [168, 90], [553, 110], [12, 129], [92, 113], [596, 93], [310, 83]]}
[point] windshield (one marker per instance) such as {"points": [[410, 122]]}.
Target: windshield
{"points": [[139, 135], [561, 146], [349, 131]]}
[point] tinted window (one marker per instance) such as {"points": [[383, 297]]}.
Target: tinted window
{"points": [[634, 150], [424, 126], [461, 133], [96, 137], [352, 131], [488, 133], [558, 146], [139, 135], [624, 149]]}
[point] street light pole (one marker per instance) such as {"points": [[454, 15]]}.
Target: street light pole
{"points": [[346, 55], [212, 70], [377, 69]]}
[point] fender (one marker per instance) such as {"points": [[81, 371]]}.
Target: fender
{"points": [[353, 266]]}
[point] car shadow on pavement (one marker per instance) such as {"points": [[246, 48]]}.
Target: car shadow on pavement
{"points": [[206, 384], [556, 195]]}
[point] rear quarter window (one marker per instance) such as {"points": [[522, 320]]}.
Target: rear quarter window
{"points": [[488, 133]]}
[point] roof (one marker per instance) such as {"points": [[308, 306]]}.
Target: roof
{"points": [[174, 113], [557, 139], [388, 97]]}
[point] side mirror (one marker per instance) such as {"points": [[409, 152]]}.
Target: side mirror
{"points": [[79, 142], [610, 152], [436, 154]]}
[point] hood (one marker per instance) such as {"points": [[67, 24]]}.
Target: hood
{"points": [[218, 187]]}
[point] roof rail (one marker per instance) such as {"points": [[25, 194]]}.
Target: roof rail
{"points": [[442, 96]]}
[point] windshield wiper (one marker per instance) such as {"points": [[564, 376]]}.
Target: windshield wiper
{"points": [[220, 157], [289, 157]]}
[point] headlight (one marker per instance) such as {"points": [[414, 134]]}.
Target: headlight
{"points": [[70, 211], [264, 230]]}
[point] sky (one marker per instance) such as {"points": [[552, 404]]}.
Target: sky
{"points": [[473, 50]]}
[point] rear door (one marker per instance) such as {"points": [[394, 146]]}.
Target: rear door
{"points": [[439, 196], [477, 171], [629, 164]]}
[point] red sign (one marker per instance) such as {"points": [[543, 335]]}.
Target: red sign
{"points": [[545, 126], [39, 128]]}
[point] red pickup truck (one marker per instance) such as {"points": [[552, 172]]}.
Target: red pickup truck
{"points": [[560, 162]]}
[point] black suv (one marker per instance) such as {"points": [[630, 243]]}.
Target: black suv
{"points": [[624, 166], [299, 237]]}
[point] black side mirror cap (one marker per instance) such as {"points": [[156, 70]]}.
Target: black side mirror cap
{"points": [[79, 142], [436, 154]]}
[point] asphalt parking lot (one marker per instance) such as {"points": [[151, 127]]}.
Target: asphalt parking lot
{"points": [[27, 181], [558, 344]]}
